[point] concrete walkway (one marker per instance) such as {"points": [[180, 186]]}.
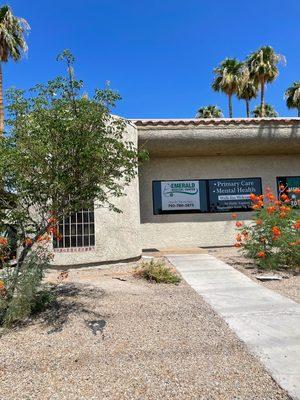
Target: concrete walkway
{"points": [[267, 322]]}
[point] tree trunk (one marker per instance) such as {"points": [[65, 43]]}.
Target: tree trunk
{"points": [[230, 105], [262, 99], [248, 108], [1, 102]]}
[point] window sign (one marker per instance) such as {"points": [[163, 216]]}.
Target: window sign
{"points": [[232, 194], [204, 195], [180, 195], [290, 185]]}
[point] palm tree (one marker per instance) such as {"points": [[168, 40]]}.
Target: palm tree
{"points": [[227, 77], [12, 45], [209, 112], [269, 112], [292, 96], [247, 89], [263, 67]]}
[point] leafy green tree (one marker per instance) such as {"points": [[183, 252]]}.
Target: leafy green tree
{"points": [[209, 112], [12, 45], [263, 67], [269, 112], [292, 96], [247, 90], [227, 78], [63, 152]]}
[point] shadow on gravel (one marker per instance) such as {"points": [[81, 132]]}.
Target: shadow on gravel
{"points": [[65, 300]]}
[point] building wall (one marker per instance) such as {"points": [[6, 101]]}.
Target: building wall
{"points": [[117, 236], [211, 229]]}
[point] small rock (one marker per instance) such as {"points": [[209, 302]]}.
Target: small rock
{"points": [[268, 277]]}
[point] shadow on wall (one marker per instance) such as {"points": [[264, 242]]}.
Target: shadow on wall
{"points": [[270, 131], [197, 217]]}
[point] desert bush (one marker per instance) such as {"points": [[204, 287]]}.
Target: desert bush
{"points": [[272, 240], [21, 291], [156, 271]]}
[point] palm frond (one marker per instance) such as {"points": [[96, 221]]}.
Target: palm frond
{"points": [[12, 32]]}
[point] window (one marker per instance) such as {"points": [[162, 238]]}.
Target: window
{"points": [[77, 230], [204, 195]]}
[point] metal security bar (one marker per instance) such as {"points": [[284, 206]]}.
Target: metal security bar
{"points": [[77, 230]]}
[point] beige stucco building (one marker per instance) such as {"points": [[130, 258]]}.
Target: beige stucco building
{"points": [[198, 173]]}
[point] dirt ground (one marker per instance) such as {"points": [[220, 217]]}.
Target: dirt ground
{"points": [[289, 286], [111, 336]]}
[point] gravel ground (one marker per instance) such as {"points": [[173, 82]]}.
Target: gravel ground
{"points": [[289, 286], [115, 337]]}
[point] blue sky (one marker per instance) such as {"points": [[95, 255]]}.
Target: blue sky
{"points": [[159, 54]]}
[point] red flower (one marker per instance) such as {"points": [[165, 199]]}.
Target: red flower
{"points": [[259, 222], [3, 241], [237, 245], [276, 231], [297, 224], [239, 224]]}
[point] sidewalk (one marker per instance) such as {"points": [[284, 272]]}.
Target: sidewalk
{"points": [[267, 322]]}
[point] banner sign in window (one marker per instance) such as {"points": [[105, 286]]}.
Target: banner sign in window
{"points": [[290, 185], [232, 194], [204, 195], [180, 195]]}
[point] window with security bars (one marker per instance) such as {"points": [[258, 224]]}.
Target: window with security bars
{"points": [[77, 230]]}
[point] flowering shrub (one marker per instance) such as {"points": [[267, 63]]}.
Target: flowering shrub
{"points": [[272, 240]]}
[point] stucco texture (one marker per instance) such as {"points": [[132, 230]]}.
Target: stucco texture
{"points": [[117, 235], [207, 229]]}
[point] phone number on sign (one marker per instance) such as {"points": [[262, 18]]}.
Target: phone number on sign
{"points": [[180, 205]]}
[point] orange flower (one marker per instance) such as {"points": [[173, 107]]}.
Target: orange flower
{"points": [[261, 254], [296, 190], [239, 238], [256, 207], [52, 220], [27, 242], [297, 224], [239, 224], [270, 196], [234, 216], [43, 238], [53, 230], [284, 208], [271, 209], [252, 197], [3, 241], [2, 285], [284, 197], [245, 234], [276, 231], [283, 215], [297, 243], [259, 222], [237, 245], [277, 203]]}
